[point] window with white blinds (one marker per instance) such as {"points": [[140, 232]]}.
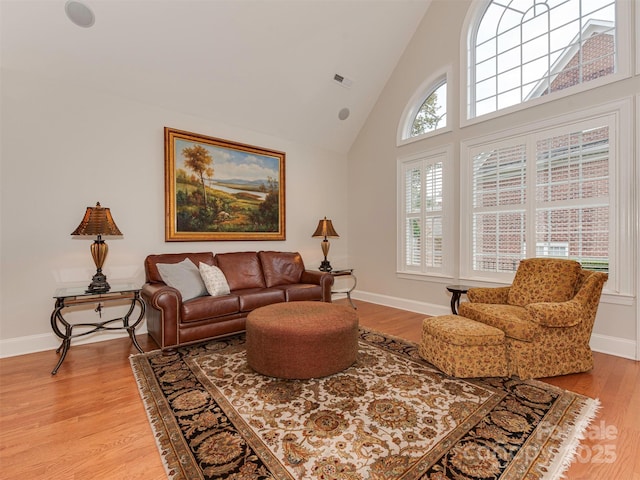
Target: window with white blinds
{"points": [[572, 196], [546, 193], [421, 207], [499, 195]]}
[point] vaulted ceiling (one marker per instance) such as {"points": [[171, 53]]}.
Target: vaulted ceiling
{"points": [[263, 65]]}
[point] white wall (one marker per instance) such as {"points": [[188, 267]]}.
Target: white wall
{"points": [[65, 147], [372, 168]]}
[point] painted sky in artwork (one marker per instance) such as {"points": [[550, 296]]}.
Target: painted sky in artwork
{"points": [[232, 164]]}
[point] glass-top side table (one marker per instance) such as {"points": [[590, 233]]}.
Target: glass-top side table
{"points": [[346, 272], [73, 296]]}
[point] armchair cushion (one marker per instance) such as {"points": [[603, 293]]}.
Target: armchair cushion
{"points": [[544, 280], [513, 320], [562, 314]]}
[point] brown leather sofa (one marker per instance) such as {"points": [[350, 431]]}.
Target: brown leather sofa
{"points": [[255, 279]]}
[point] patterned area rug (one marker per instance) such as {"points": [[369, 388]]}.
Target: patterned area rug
{"points": [[389, 416]]}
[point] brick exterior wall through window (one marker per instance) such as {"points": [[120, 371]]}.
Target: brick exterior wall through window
{"points": [[598, 60]]}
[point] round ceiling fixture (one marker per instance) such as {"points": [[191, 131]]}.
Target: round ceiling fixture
{"points": [[79, 13], [344, 114]]}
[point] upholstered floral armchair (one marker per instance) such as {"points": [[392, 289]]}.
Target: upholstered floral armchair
{"points": [[547, 315]]}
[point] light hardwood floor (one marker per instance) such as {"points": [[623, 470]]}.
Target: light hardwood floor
{"points": [[88, 422]]}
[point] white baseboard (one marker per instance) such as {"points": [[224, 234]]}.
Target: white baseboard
{"points": [[49, 341], [619, 347], [430, 309]]}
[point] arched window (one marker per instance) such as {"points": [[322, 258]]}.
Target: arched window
{"points": [[525, 49], [426, 112], [432, 114]]}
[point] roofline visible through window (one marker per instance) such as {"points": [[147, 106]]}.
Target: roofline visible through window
{"points": [[470, 26]]}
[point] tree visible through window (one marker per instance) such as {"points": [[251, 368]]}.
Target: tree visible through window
{"points": [[523, 49], [432, 113]]}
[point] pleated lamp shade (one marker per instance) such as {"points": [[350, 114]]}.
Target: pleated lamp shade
{"points": [[97, 221]]}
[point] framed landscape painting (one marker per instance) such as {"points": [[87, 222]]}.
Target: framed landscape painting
{"points": [[221, 190]]}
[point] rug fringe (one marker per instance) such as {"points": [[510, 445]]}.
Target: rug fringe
{"points": [[567, 454]]}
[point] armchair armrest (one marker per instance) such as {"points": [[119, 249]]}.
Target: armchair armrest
{"points": [[561, 314], [497, 295]]}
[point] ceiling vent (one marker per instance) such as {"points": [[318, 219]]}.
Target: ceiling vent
{"points": [[343, 81]]}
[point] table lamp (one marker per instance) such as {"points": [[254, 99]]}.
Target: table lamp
{"points": [[325, 229], [98, 221]]}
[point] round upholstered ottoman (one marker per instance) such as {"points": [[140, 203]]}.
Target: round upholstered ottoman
{"points": [[300, 340]]}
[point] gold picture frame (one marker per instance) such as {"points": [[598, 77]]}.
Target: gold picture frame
{"points": [[219, 190]]}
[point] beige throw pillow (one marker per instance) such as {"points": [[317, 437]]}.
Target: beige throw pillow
{"points": [[214, 280]]}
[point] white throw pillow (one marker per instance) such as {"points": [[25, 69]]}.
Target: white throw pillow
{"points": [[184, 277], [214, 280]]}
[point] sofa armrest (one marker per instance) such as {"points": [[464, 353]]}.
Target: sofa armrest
{"points": [[163, 313], [496, 295], [560, 314], [162, 297], [325, 280]]}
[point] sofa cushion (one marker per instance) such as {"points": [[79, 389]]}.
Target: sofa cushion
{"points": [[241, 269], [184, 277], [214, 280], [252, 298], [281, 268], [301, 291], [207, 307], [544, 280]]}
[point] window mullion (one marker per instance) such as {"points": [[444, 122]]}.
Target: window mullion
{"points": [[423, 217], [532, 176]]}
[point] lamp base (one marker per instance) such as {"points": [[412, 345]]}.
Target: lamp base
{"points": [[98, 283], [325, 266]]}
